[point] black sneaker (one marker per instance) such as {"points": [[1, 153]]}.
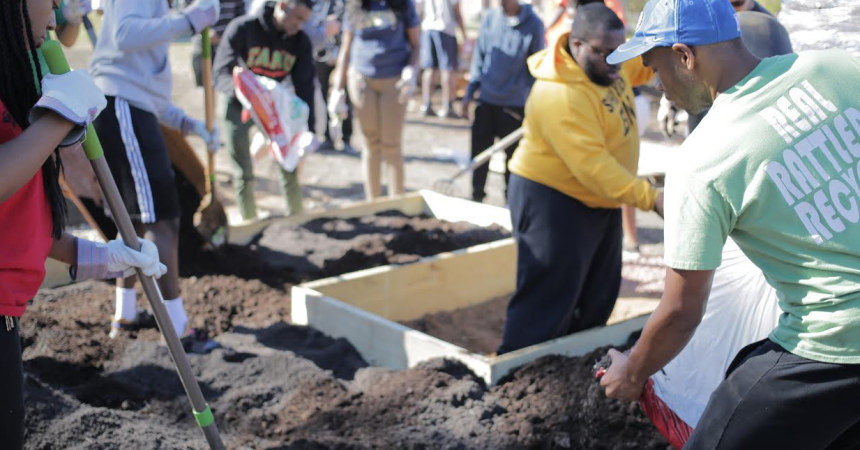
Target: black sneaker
{"points": [[198, 341], [144, 319], [427, 111]]}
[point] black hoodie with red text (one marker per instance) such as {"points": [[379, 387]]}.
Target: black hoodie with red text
{"points": [[267, 51]]}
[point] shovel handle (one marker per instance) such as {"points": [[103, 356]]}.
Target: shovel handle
{"points": [[209, 101], [57, 64]]}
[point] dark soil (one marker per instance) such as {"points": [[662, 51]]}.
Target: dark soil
{"points": [[478, 328], [276, 385]]}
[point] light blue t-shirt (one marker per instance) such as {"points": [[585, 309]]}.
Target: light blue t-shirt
{"points": [[380, 47]]}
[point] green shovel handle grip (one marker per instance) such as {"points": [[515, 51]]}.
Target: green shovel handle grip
{"points": [[57, 64], [207, 44]]}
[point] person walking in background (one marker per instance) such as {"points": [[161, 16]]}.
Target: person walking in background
{"points": [[500, 75], [379, 61], [330, 13], [130, 64], [440, 52], [271, 43], [574, 167]]}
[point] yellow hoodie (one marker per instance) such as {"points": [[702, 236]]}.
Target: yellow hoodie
{"points": [[581, 138]]}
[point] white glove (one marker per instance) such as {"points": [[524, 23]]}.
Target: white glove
{"points": [[202, 14], [112, 260], [337, 104], [407, 84], [197, 127], [123, 259], [666, 117], [74, 10], [74, 96]]}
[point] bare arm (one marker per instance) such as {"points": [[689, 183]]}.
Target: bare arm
{"points": [[414, 35], [63, 249], [22, 156], [67, 34], [665, 334], [342, 61], [458, 17]]}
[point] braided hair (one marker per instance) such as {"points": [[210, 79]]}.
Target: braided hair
{"points": [[19, 91]]}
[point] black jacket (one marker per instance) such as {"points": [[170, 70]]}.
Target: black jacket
{"points": [[268, 52]]}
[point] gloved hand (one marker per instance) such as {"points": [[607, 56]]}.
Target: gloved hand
{"points": [[74, 10], [407, 84], [113, 260], [337, 104], [75, 97], [666, 117], [202, 14], [212, 140]]}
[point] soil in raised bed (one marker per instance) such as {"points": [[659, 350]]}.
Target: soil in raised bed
{"points": [[478, 328], [275, 385], [327, 247]]}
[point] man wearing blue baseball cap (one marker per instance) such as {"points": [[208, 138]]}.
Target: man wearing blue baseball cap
{"points": [[775, 165]]}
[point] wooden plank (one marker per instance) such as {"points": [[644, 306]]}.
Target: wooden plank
{"points": [[438, 283], [577, 344], [455, 209], [389, 344], [381, 342]]}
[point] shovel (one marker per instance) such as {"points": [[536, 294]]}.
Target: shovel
{"points": [[210, 220], [445, 186], [92, 147]]}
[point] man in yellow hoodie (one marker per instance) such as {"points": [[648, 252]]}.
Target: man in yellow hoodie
{"points": [[574, 168]]}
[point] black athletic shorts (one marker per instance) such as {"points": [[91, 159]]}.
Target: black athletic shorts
{"points": [[137, 155]]}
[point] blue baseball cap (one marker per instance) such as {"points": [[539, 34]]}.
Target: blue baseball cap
{"points": [[664, 23]]}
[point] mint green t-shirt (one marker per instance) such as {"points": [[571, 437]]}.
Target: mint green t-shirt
{"points": [[776, 165]]}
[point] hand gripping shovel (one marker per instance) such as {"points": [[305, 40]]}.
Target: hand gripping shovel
{"points": [[210, 220], [445, 186], [92, 147]]}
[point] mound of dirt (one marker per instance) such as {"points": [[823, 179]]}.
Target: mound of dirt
{"points": [[276, 385]]}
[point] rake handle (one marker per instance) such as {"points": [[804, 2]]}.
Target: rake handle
{"points": [[92, 147], [481, 158]]}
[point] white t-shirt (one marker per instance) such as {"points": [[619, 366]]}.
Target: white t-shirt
{"points": [[438, 15]]}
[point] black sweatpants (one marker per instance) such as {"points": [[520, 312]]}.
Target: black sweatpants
{"points": [[324, 72], [568, 265], [491, 122], [11, 387], [772, 398]]}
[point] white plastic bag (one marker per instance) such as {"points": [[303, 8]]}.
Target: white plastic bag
{"points": [[742, 309], [280, 115]]}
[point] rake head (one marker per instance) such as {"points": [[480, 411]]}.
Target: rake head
{"points": [[445, 187]]}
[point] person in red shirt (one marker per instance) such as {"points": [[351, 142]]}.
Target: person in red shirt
{"points": [[33, 126]]}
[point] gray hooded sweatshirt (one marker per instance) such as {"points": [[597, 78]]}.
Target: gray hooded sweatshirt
{"points": [[130, 60]]}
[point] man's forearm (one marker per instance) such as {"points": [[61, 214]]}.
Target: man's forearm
{"points": [[672, 324], [665, 334]]}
